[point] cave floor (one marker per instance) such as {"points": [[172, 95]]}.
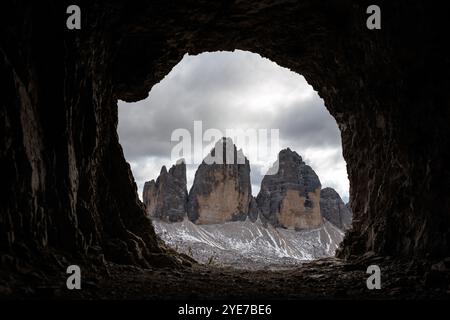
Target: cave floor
{"points": [[322, 279], [328, 278]]}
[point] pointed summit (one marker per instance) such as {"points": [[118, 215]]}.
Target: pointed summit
{"points": [[225, 152], [178, 171], [166, 198], [221, 191], [290, 194]]}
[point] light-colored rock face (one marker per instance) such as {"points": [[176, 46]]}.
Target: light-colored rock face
{"points": [[290, 198], [150, 197], [222, 203], [294, 215], [220, 192]]}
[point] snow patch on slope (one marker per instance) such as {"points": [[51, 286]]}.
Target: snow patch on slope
{"points": [[248, 245]]}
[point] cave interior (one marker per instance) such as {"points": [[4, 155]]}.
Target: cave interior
{"points": [[68, 193]]}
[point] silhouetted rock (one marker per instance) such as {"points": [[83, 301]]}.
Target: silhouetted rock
{"points": [[290, 194], [166, 198], [221, 190], [253, 210], [334, 210], [66, 185]]}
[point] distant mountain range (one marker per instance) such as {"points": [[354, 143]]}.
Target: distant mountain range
{"points": [[291, 197], [291, 219]]}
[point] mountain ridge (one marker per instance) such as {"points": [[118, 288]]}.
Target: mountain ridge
{"points": [[290, 196], [249, 245]]}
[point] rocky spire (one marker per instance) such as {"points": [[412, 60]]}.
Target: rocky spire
{"points": [[221, 190], [290, 194], [166, 198]]}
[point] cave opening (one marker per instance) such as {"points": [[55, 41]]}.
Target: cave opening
{"points": [[69, 197], [287, 205]]}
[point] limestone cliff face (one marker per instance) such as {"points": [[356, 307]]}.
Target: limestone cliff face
{"points": [[334, 210], [290, 197], [166, 198], [221, 190]]}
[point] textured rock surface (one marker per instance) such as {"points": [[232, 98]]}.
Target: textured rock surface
{"points": [[334, 210], [166, 199], [221, 190], [66, 186], [327, 278], [290, 198], [249, 245]]}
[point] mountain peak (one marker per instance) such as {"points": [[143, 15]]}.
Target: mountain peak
{"points": [[221, 190], [288, 154], [178, 170], [225, 152], [290, 196], [166, 198]]}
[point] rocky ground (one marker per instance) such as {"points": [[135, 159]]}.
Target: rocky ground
{"points": [[249, 245], [327, 278]]}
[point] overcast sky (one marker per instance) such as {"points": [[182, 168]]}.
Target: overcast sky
{"points": [[232, 90]]}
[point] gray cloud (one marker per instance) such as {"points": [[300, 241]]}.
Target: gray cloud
{"points": [[231, 91], [310, 125]]}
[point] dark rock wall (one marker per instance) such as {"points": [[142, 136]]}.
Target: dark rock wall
{"points": [[334, 209], [166, 198], [65, 183]]}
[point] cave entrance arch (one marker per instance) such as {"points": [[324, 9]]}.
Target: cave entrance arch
{"points": [[238, 95], [350, 68], [69, 187]]}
